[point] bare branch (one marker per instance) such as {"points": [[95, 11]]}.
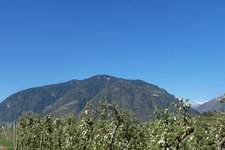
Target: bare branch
{"points": [[221, 143]]}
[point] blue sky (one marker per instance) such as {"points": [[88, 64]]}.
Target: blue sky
{"points": [[178, 45]]}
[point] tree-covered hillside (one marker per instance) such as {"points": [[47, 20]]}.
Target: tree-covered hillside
{"points": [[72, 97]]}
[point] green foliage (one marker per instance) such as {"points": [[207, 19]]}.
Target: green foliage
{"points": [[109, 128]]}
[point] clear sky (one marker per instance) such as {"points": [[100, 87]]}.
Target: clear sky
{"points": [[178, 45]]}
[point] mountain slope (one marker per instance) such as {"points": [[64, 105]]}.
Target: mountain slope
{"points": [[196, 105], [34, 99], [212, 105], [72, 96]]}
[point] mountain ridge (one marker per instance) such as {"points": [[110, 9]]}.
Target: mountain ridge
{"points": [[73, 95], [211, 106]]}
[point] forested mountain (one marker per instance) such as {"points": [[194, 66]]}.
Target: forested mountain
{"points": [[72, 97]]}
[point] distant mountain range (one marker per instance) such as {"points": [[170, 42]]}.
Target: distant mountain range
{"points": [[72, 97], [209, 106], [196, 105]]}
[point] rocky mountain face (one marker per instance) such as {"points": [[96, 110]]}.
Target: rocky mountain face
{"points": [[72, 97]]}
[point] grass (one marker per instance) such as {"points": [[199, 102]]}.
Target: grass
{"points": [[6, 138], [6, 143]]}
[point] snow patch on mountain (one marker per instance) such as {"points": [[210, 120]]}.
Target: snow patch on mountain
{"points": [[195, 105]]}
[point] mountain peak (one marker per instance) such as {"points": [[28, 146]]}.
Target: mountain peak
{"points": [[72, 97], [211, 106], [196, 105], [104, 77]]}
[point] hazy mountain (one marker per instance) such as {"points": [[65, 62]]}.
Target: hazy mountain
{"points": [[72, 96], [196, 105], [211, 105]]}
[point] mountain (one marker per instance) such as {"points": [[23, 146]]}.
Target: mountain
{"points": [[196, 105], [72, 97], [211, 106]]}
